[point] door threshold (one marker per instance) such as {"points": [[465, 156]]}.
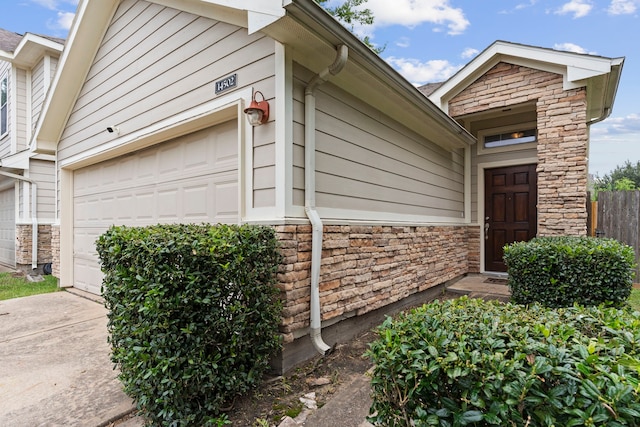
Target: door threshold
{"points": [[496, 274]]}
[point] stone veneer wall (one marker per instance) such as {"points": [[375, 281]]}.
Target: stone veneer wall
{"points": [[24, 240], [366, 267], [563, 138]]}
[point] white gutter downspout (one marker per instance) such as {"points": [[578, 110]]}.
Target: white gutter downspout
{"points": [[310, 191], [34, 219]]}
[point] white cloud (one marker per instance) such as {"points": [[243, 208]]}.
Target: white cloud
{"points": [[49, 4], [469, 53], [613, 141], [411, 13], [403, 42], [579, 8], [519, 6], [64, 10], [570, 47], [619, 125], [622, 7], [526, 5], [65, 19], [420, 73]]}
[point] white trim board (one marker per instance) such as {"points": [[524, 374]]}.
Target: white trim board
{"points": [[480, 214]]}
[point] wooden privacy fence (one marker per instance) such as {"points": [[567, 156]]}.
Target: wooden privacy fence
{"points": [[618, 217]]}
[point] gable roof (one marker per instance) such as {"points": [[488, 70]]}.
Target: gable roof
{"points": [[301, 24], [600, 75], [9, 40], [428, 88], [25, 50]]}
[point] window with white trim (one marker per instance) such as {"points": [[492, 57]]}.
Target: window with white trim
{"points": [[4, 95], [522, 136], [510, 138]]}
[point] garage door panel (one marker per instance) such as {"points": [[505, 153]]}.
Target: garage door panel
{"points": [[84, 242], [8, 227], [191, 179], [226, 200], [225, 146], [195, 201]]}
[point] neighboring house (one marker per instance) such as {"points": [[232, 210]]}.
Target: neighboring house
{"points": [[530, 109], [27, 180], [146, 121]]}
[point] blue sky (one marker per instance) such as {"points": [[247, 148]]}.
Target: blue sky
{"points": [[429, 40]]}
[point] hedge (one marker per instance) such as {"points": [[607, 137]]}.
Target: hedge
{"points": [[193, 315], [482, 363], [561, 271]]}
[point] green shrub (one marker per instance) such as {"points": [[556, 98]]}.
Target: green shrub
{"points": [[473, 362], [561, 271], [193, 315]]}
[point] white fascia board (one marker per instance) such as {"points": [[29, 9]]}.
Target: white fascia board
{"points": [[259, 13], [577, 73], [271, 7], [208, 9], [32, 48], [6, 56], [258, 20], [574, 67], [16, 161], [596, 64], [89, 25], [30, 41]]}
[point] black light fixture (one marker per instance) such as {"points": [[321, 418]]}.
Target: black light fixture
{"points": [[258, 111]]}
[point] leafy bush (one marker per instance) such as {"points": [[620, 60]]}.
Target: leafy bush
{"points": [[193, 315], [561, 271], [473, 362]]}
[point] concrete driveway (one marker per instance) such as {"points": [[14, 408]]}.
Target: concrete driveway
{"points": [[54, 363]]}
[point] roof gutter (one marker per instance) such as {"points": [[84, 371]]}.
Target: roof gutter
{"points": [[376, 65], [613, 81], [310, 192]]}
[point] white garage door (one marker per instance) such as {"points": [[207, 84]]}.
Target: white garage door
{"points": [[8, 227], [191, 179]]}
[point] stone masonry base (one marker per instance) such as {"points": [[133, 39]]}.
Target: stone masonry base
{"points": [[301, 349], [24, 240]]}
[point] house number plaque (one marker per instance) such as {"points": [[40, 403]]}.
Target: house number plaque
{"points": [[226, 83]]}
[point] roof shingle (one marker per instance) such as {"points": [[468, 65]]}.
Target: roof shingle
{"points": [[9, 40]]}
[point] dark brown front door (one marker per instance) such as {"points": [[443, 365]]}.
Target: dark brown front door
{"points": [[510, 210]]}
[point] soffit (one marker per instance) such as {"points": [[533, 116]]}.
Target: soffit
{"points": [[600, 75]]}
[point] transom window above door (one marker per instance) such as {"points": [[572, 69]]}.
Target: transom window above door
{"points": [[510, 138], [515, 137]]}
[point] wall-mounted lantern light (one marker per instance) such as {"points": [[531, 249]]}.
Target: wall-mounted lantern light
{"points": [[258, 111]]}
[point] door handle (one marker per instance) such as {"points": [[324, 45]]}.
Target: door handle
{"points": [[486, 228]]}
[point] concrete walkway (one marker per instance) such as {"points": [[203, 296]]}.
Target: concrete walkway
{"points": [[482, 286], [54, 363], [55, 368]]}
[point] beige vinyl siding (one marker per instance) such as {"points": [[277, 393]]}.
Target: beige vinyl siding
{"points": [[21, 111], [155, 62], [53, 65], [38, 89], [43, 173], [507, 157], [264, 159], [367, 162], [5, 141]]}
